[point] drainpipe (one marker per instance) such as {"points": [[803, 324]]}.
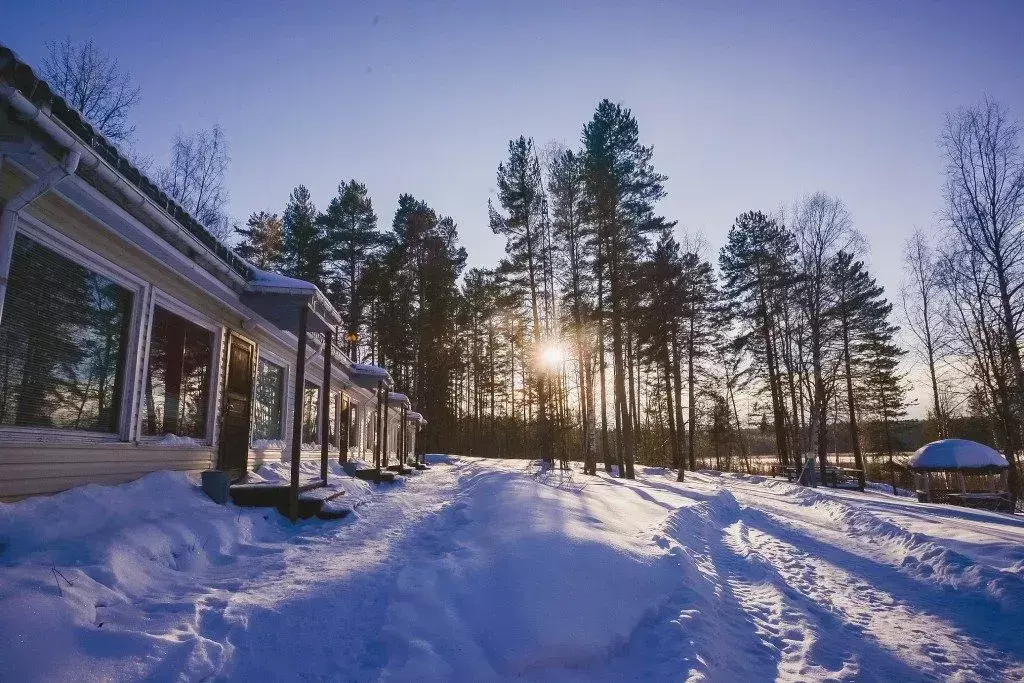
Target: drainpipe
{"points": [[12, 209]]}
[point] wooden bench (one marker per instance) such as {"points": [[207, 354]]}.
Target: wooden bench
{"points": [[843, 478], [983, 500]]}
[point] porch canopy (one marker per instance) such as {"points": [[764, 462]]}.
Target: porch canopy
{"points": [[282, 300], [298, 307], [371, 376], [400, 400], [957, 455]]}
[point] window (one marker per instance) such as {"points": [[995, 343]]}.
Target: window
{"points": [[343, 439], [269, 395], [332, 424], [311, 414], [63, 341], [178, 381]]}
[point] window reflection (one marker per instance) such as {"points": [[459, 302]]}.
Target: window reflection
{"points": [[178, 381], [269, 394]]}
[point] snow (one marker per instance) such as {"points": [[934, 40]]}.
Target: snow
{"points": [[395, 397], [956, 454], [493, 570], [370, 370], [175, 441], [265, 280]]}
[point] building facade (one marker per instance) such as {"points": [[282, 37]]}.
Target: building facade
{"points": [[132, 341]]}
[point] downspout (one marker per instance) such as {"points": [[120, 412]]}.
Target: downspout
{"points": [[13, 208]]}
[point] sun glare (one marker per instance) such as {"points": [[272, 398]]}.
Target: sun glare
{"points": [[551, 356]]}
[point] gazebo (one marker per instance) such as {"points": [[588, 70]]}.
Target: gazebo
{"points": [[962, 472]]}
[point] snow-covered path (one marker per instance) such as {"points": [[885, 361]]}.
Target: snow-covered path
{"points": [[488, 570]]}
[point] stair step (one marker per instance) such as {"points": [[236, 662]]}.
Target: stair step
{"points": [[333, 510], [375, 476]]}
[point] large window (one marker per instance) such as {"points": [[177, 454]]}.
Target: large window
{"points": [[269, 396], [311, 414], [178, 381], [63, 340]]}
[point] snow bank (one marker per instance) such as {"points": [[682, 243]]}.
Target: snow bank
{"points": [[917, 554], [441, 458], [73, 562]]}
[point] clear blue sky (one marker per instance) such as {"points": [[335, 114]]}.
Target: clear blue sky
{"points": [[748, 105]]}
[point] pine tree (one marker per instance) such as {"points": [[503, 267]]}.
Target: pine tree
{"points": [[262, 240], [756, 266], [575, 262], [622, 188], [305, 248], [884, 385], [699, 306], [352, 239], [521, 194], [660, 313], [861, 309]]}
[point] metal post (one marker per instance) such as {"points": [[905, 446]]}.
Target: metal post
{"points": [[300, 386], [327, 409]]}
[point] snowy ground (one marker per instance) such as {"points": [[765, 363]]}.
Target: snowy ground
{"points": [[486, 570]]}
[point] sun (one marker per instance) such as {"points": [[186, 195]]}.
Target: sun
{"points": [[551, 356]]}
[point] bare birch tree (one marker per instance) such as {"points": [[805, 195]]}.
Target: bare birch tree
{"points": [[92, 82]]}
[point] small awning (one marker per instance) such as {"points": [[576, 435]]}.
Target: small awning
{"points": [[280, 299], [370, 376], [957, 454], [397, 399]]}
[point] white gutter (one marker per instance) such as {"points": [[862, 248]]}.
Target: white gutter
{"points": [[95, 163], [9, 218]]}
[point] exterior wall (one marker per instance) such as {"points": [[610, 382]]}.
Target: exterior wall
{"points": [[35, 461]]}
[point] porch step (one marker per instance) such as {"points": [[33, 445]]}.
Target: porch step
{"points": [[373, 475], [333, 509], [421, 467], [312, 497], [399, 469]]}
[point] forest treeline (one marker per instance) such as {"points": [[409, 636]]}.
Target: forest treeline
{"points": [[609, 336]]}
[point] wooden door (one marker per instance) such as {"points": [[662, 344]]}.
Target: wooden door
{"points": [[237, 408]]}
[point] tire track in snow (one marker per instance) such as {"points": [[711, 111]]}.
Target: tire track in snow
{"points": [[819, 597]]}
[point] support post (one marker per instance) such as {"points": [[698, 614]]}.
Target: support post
{"points": [[384, 448], [402, 439], [344, 417], [377, 436], [327, 411], [300, 386]]}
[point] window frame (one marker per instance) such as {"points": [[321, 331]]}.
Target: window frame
{"points": [[272, 358], [182, 310], [319, 414], [54, 240]]}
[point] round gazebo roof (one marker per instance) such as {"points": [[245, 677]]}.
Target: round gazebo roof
{"points": [[957, 454]]}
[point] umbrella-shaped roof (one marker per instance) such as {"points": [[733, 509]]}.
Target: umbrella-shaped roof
{"points": [[957, 454]]}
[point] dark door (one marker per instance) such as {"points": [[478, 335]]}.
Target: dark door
{"points": [[237, 411]]}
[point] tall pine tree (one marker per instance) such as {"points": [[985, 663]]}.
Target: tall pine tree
{"points": [[305, 247]]}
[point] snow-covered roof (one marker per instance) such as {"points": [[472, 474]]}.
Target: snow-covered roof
{"points": [[395, 397], [370, 376], [413, 416], [369, 370], [956, 454], [266, 281]]}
